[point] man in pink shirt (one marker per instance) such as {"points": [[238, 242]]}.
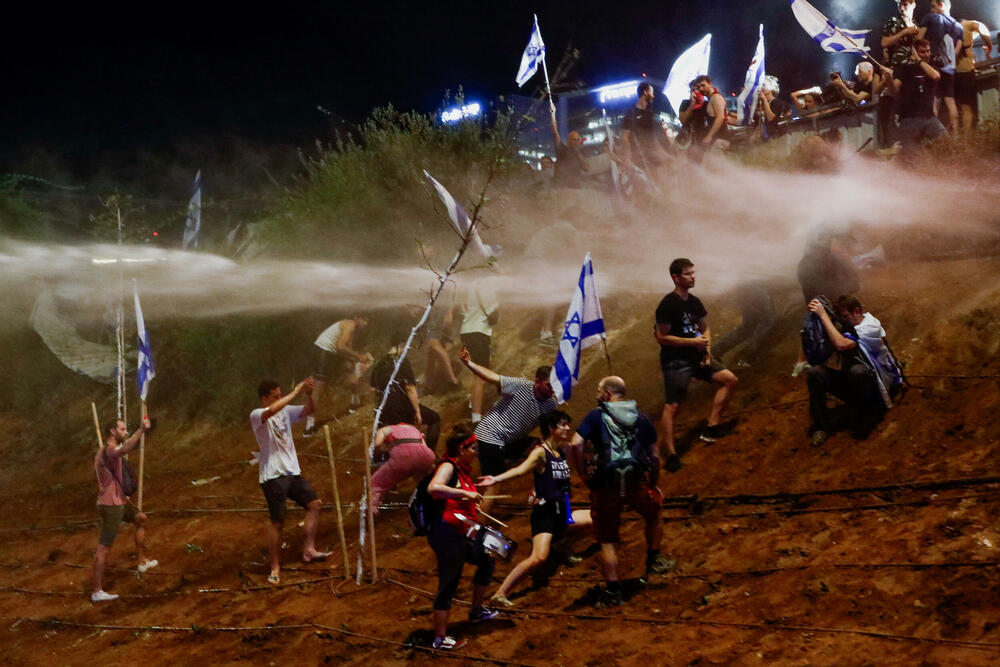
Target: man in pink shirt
{"points": [[113, 505]]}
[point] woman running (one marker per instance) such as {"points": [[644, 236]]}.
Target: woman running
{"points": [[549, 515], [452, 484]]}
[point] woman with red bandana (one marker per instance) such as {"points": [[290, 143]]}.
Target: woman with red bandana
{"points": [[449, 535]]}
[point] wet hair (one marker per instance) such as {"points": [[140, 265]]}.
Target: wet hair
{"points": [[847, 303], [543, 372], [642, 88], [459, 434], [678, 265], [921, 43], [550, 420], [111, 426], [266, 387], [700, 79]]}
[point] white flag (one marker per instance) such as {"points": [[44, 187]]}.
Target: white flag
{"points": [[746, 103], [691, 64], [828, 36], [460, 219], [533, 54], [584, 327], [193, 223]]}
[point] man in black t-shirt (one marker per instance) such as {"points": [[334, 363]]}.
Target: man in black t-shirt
{"points": [[685, 339], [403, 405], [641, 133], [914, 84], [571, 165]]}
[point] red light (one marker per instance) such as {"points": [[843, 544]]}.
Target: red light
{"points": [[156, 233]]}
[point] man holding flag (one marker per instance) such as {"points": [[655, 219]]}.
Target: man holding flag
{"points": [[584, 327]]}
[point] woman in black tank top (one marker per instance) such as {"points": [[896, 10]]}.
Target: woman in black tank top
{"points": [[551, 498]]}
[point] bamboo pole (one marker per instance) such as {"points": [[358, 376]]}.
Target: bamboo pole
{"points": [[142, 455], [336, 501], [370, 510], [97, 426]]}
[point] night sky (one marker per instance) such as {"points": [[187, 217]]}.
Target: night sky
{"points": [[94, 78]]}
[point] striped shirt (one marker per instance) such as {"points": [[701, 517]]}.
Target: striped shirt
{"points": [[515, 414]]}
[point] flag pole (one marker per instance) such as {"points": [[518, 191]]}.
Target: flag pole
{"points": [[604, 344], [336, 501], [97, 426], [142, 456]]}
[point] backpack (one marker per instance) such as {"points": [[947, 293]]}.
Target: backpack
{"points": [[622, 444], [815, 345], [425, 509], [129, 481]]}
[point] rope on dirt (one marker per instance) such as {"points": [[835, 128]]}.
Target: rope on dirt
{"points": [[162, 594], [986, 646]]}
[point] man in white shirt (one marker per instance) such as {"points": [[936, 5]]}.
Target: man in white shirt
{"points": [[280, 476]]}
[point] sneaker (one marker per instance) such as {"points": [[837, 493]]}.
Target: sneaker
{"points": [[147, 565], [101, 596], [673, 463], [660, 565], [798, 368], [501, 600], [819, 438], [606, 598], [447, 643], [713, 433], [482, 614]]}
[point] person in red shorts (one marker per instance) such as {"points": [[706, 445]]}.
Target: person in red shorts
{"points": [[627, 468]]}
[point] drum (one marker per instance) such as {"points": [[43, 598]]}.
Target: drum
{"points": [[494, 543]]}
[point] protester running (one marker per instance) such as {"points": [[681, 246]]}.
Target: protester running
{"points": [[113, 504], [452, 484], [551, 517], [280, 476]]}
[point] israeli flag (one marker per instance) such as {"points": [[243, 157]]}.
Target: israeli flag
{"points": [[193, 223], [584, 327], [828, 36], [146, 371], [746, 103], [460, 219], [690, 65], [532, 56]]}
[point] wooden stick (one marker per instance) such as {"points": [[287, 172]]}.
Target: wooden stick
{"points": [[142, 456], [497, 497], [494, 519], [97, 426], [336, 501], [370, 509]]}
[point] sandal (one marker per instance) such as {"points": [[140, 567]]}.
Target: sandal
{"points": [[273, 579]]}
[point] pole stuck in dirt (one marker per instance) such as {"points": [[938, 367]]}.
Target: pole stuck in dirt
{"points": [[97, 425], [142, 456], [369, 510], [336, 501]]}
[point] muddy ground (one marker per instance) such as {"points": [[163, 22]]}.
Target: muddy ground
{"points": [[881, 551]]}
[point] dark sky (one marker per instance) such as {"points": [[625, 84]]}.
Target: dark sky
{"points": [[96, 77]]}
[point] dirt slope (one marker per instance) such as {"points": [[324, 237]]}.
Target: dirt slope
{"points": [[882, 551]]}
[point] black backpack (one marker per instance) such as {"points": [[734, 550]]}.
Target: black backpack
{"points": [[424, 508], [815, 345], [129, 481]]}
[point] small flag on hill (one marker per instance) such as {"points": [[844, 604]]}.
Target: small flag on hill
{"points": [[584, 327], [532, 56], [192, 226], [460, 219], [828, 36], [145, 361], [746, 103], [692, 63]]}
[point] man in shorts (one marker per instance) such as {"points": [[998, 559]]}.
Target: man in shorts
{"points": [[113, 505], [280, 476], [627, 469], [685, 352], [479, 315], [336, 359]]}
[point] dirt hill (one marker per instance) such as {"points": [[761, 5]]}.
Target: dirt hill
{"points": [[880, 551]]}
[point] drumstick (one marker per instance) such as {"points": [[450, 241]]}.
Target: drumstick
{"points": [[491, 518], [497, 497]]}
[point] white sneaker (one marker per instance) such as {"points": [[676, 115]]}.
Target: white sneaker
{"points": [[101, 596], [148, 565]]}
